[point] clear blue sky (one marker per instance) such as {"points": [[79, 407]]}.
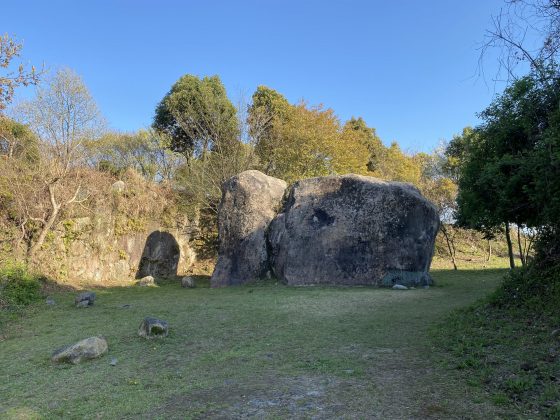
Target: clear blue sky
{"points": [[406, 66]]}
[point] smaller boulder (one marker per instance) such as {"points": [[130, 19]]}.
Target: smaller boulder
{"points": [[146, 281], [187, 282], [84, 299], [153, 328], [50, 301], [400, 287], [89, 348]]}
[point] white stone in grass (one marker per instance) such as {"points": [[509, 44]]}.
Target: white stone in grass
{"points": [[399, 287], [146, 281]]}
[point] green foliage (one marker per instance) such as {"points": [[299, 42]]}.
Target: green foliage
{"points": [[18, 287], [197, 114], [18, 141], [145, 151], [368, 137], [298, 141], [533, 288], [510, 170]]}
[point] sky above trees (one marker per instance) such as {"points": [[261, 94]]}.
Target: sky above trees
{"points": [[408, 68]]}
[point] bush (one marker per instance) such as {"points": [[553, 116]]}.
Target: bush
{"points": [[534, 288], [18, 287]]}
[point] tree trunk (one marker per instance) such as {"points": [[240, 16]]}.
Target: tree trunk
{"points": [[510, 247], [489, 251], [450, 245], [47, 225], [521, 253]]}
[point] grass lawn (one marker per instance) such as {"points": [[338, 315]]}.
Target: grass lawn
{"points": [[263, 350]]}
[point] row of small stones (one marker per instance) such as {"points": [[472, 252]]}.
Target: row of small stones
{"points": [[93, 347]]}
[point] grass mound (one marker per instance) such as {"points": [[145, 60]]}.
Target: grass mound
{"points": [[510, 342]]}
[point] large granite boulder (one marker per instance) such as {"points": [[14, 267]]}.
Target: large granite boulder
{"points": [[249, 202], [353, 230]]}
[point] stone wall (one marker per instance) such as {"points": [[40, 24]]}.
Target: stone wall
{"points": [[93, 250]]}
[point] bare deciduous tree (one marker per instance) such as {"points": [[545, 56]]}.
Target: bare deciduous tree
{"points": [[524, 31], [10, 79], [64, 116]]}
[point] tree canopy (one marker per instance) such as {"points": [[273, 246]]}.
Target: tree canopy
{"points": [[197, 115]]}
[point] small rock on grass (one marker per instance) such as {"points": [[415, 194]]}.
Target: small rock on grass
{"points": [[187, 282], [399, 287], [153, 328], [114, 361], [89, 348], [555, 333], [146, 281], [84, 299], [50, 301]]}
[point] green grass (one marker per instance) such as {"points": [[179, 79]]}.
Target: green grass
{"points": [[264, 350], [509, 344]]}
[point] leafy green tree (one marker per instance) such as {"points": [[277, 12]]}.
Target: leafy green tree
{"points": [[198, 116], [18, 141], [299, 141], [267, 112], [505, 160], [145, 151], [369, 139]]}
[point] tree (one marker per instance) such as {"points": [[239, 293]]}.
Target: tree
{"points": [[145, 151], [525, 31], [506, 159], [11, 78], [299, 141], [64, 116], [203, 125], [393, 164], [17, 140], [197, 115], [368, 138], [267, 111]]}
